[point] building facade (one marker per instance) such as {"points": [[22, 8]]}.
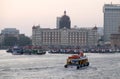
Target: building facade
{"points": [[115, 39], [10, 31], [111, 20], [64, 37]]}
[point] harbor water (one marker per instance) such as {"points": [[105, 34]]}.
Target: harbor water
{"points": [[51, 66]]}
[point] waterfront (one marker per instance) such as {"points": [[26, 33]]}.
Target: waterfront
{"points": [[51, 66]]}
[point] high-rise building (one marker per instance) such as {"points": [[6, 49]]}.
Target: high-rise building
{"points": [[111, 20], [58, 22]]}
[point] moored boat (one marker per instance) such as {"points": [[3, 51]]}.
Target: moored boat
{"points": [[26, 51]]}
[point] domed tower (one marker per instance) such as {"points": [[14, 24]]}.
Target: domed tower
{"points": [[65, 21]]}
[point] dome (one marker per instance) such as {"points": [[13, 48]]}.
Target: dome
{"points": [[95, 28], [65, 18], [65, 21]]}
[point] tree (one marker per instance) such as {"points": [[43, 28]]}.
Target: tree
{"points": [[24, 40], [10, 41], [21, 40]]}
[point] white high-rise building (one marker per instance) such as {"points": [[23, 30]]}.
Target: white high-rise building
{"points": [[111, 20]]}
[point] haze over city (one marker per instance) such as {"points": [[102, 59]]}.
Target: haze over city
{"points": [[23, 14]]}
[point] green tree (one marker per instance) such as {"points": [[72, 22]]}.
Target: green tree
{"points": [[10, 41], [24, 40]]}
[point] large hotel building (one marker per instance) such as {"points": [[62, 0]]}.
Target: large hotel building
{"points": [[64, 35]]}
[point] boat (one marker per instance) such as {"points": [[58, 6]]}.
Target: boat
{"points": [[17, 51], [35, 52], [26, 51], [9, 50], [64, 51], [79, 61]]}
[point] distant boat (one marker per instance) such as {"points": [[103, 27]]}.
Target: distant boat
{"points": [[34, 51], [40, 52], [9, 50], [17, 51], [26, 51]]}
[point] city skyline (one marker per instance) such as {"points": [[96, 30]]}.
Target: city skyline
{"points": [[23, 14]]}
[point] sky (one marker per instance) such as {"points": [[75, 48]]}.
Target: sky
{"points": [[23, 14]]}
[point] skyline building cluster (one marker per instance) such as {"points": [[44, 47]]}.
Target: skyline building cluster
{"points": [[64, 35]]}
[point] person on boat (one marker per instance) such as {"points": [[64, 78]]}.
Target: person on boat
{"points": [[81, 54]]}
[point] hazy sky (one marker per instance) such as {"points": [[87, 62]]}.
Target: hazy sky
{"points": [[23, 14]]}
